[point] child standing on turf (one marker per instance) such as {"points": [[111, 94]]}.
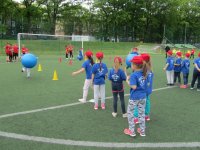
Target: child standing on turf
{"points": [[185, 69], [28, 70], [169, 68], [177, 67], [66, 51], [196, 73], [150, 75], [138, 84], [117, 76], [134, 51], [99, 71], [87, 67], [15, 52], [192, 53]]}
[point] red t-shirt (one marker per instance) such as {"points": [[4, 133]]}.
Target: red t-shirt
{"points": [[70, 48], [15, 49], [7, 49], [192, 51], [24, 50], [67, 50]]}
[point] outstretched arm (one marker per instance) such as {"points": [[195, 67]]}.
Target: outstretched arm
{"points": [[78, 72]]}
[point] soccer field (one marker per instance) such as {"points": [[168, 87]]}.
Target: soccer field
{"points": [[39, 113]]}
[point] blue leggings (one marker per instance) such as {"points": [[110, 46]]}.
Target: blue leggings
{"points": [[147, 108]]}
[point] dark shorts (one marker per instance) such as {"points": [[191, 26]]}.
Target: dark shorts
{"points": [[117, 87]]}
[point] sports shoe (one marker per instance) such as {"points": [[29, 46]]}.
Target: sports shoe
{"points": [[183, 86], [128, 132], [114, 114], [136, 121], [124, 115], [82, 100], [139, 131], [192, 88], [103, 106], [198, 90], [96, 106], [147, 118]]}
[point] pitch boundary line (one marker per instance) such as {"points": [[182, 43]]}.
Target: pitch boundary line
{"points": [[98, 144]]}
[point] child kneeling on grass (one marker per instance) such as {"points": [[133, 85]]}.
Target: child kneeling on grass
{"points": [[99, 72], [117, 76], [87, 67], [138, 84]]}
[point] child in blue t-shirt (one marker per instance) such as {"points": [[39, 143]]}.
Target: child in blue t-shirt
{"points": [[177, 67], [185, 69], [87, 67], [134, 51], [150, 76], [169, 68], [99, 72], [117, 76], [196, 73], [138, 84]]}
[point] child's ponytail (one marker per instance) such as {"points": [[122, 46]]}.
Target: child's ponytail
{"points": [[145, 70], [91, 60], [100, 64]]}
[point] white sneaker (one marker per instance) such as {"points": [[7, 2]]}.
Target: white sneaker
{"points": [[191, 88], [114, 114], [124, 115], [198, 90], [82, 100]]}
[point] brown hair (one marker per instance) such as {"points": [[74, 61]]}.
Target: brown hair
{"points": [[143, 67]]}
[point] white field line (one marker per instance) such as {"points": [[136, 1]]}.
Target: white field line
{"points": [[62, 106], [99, 144]]}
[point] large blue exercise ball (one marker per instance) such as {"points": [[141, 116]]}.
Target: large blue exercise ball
{"points": [[129, 57], [29, 60]]}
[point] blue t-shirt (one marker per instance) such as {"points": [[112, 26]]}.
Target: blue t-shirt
{"points": [[99, 75], [137, 79], [150, 82], [185, 67], [117, 77], [197, 61], [177, 68], [170, 61], [88, 69]]}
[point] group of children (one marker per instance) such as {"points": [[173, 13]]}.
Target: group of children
{"points": [[11, 52], [140, 82], [175, 66], [69, 51]]}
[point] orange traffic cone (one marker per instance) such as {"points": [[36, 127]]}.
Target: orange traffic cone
{"points": [[70, 62]]}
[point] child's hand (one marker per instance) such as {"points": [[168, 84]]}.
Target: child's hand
{"points": [[164, 69], [128, 78], [73, 73]]}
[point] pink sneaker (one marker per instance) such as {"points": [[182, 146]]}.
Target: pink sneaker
{"points": [[136, 121], [183, 86], [128, 132], [95, 106], [139, 131], [147, 118], [103, 106]]}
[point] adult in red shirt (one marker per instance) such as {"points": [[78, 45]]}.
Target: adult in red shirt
{"points": [[192, 53], [15, 52]]}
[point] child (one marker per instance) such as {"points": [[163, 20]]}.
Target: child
{"points": [[66, 51], [87, 67], [196, 73], [169, 68], [70, 48], [117, 76], [150, 75], [192, 53], [134, 51], [138, 84], [99, 71], [177, 67], [7, 51], [28, 70], [15, 52], [185, 69]]}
